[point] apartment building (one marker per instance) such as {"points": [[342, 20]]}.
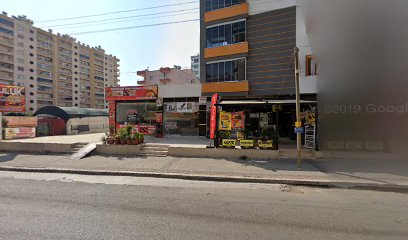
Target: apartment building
{"points": [[195, 65], [55, 69], [247, 58]]}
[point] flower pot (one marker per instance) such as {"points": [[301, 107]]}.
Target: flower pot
{"points": [[110, 141], [117, 141], [122, 142], [128, 142], [136, 141]]}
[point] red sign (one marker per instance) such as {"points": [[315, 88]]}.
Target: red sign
{"points": [[13, 122], [238, 120], [159, 117], [213, 115], [12, 98], [131, 93]]}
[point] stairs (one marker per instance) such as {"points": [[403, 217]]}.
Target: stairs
{"points": [[81, 152], [154, 150]]}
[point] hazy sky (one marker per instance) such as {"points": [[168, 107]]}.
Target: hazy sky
{"points": [[137, 48]]}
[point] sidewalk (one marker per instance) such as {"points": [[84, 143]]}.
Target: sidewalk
{"points": [[313, 172]]}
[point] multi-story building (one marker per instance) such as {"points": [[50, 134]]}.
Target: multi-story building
{"points": [[195, 65], [55, 69], [247, 49], [179, 93]]}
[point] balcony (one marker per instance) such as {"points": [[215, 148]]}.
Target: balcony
{"points": [[228, 12], [165, 80], [7, 59], [141, 82], [226, 50]]}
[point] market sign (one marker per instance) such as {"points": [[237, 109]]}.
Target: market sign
{"points": [[246, 143], [229, 142], [12, 98], [20, 121], [225, 121], [131, 93], [265, 144], [23, 132], [213, 115], [182, 107]]}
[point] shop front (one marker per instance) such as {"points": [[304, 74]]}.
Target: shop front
{"points": [[134, 106], [181, 116]]}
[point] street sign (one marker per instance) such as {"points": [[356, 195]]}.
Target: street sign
{"points": [[299, 130]]}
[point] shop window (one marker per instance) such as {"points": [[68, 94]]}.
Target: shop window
{"points": [[229, 33], [226, 71], [311, 66]]}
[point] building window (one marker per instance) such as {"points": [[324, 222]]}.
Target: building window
{"points": [[229, 33], [6, 22], [20, 77], [20, 53], [31, 39], [211, 5], [20, 44], [31, 101], [311, 66], [226, 71], [21, 36], [31, 31], [19, 68]]}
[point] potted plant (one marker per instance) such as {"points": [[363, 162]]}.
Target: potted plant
{"points": [[128, 140], [226, 140], [117, 139], [141, 138], [122, 132], [268, 136]]}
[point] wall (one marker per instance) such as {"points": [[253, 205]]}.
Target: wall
{"points": [[96, 124], [180, 90], [308, 84], [261, 6]]}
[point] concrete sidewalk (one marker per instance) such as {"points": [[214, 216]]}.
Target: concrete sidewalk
{"points": [[313, 172]]}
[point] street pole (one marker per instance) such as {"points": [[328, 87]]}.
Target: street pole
{"points": [[298, 121], [1, 126]]}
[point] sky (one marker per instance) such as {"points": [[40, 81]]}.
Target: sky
{"points": [[138, 48]]}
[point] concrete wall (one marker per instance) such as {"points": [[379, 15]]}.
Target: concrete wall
{"points": [[36, 147], [222, 153], [117, 149], [96, 124], [180, 90]]}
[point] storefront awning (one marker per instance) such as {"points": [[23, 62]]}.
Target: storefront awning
{"points": [[249, 102]]}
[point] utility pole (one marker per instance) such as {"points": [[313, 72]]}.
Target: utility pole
{"points": [[298, 123]]}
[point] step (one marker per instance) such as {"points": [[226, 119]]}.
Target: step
{"points": [[152, 155], [150, 151], [155, 148]]}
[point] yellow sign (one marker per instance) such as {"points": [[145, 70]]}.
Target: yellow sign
{"points": [[246, 143], [225, 121], [229, 142], [265, 144], [310, 117], [276, 108], [298, 124]]}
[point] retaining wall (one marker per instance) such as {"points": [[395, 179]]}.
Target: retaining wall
{"points": [[117, 149], [222, 153], [36, 147]]}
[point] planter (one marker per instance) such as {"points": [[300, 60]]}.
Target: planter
{"points": [[129, 142], [117, 141], [135, 142], [110, 141], [122, 142]]}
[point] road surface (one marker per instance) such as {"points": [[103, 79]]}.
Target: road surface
{"points": [[62, 206]]}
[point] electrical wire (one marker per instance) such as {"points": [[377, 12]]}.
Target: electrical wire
{"points": [[123, 11], [120, 18], [97, 24], [140, 26]]}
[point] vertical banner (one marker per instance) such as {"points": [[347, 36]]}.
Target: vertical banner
{"points": [[213, 115], [225, 121]]}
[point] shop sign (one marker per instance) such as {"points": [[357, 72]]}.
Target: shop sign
{"points": [[202, 100], [131, 93], [265, 144], [23, 132], [213, 115], [225, 121], [182, 107], [12, 98], [229, 142], [13, 122], [170, 125], [159, 117], [246, 143], [238, 120], [299, 130], [276, 108]]}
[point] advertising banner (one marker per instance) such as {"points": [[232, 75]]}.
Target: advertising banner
{"points": [[246, 143], [131, 93], [159, 117], [213, 115], [238, 120], [225, 121], [12, 98], [182, 107], [13, 122], [170, 125], [24, 132], [229, 142]]}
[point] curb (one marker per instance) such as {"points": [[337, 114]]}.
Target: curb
{"points": [[218, 178]]}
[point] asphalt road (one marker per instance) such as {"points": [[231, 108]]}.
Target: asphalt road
{"points": [[61, 206]]}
